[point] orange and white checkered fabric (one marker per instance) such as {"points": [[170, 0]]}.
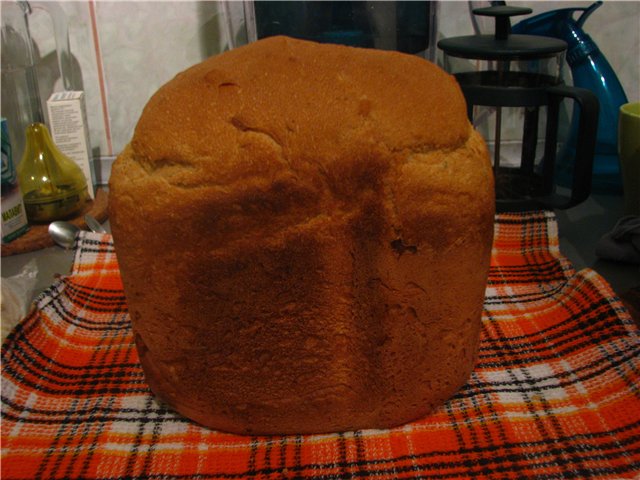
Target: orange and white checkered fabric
{"points": [[555, 392]]}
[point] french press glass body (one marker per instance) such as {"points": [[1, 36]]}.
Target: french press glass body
{"points": [[512, 83], [20, 101]]}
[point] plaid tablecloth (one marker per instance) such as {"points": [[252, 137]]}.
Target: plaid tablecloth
{"points": [[555, 393]]}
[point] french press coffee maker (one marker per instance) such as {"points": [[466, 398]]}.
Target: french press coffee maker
{"points": [[513, 83]]}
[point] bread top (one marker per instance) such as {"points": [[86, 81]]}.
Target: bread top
{"points": [[314, 101], [284, 132]]}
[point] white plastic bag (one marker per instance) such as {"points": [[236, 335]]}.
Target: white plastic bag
{"points": [[17, 292]]}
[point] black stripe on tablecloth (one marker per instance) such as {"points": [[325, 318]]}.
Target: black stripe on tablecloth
{"points": [[153, 415], [551, 266], [576, 333], [342, 456], [576, 324], [253, 453], [525, 218], [95, 387], [526, 460], [102, 373], [76, 433], [532, 297], [88, 375], [94, 411], [544, 420], [503, 458], [536, 359], [74, 316], [535, 296], [108, 381], [474, 388], [119, 376], [545, 271], [28, 350], [85, 246], [538, 267], [68, 423], [84, 300], [360, 450], [590, 315], [297, 453], [94, 442], [540, 292], [96, 299], [96, 246], [267, 451], [561, 379], [123, 381], [282, 451], [536, 246], [56, 303], [466, 460], [496, 434], [524, 465]]}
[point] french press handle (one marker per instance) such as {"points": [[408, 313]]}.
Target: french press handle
{"points": [[585, 147]]}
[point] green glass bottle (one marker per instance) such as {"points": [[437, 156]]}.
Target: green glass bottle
{"points": [[53, 186]]}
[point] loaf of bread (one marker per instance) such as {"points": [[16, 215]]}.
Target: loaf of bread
{"points": [[304, 234]]}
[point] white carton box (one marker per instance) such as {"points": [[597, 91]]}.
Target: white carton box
{"points": [[70, 132]]}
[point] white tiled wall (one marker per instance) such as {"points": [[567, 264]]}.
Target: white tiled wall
{"points": [[124, 51]]}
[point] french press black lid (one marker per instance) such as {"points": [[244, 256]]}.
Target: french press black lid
{"points": [[513, 78], [502, 45]]}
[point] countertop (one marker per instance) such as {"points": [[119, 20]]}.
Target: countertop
{"points": [[580, 228]]}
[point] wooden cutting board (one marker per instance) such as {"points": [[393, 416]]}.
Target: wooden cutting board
{"points": [[38, 235]]}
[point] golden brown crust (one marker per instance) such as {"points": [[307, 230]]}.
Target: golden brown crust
{"points": [[304, 233]]}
